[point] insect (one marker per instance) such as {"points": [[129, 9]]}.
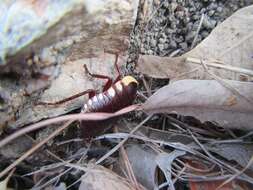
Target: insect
{"points": [[116, 95]]}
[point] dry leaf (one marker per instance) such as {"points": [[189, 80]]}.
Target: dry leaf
{"points": [[241, 153], [164, 163], [100, 178], [142, 159], [227, 50], [206, 100]]}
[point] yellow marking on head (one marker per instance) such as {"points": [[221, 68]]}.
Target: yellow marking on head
{"points": [[128, 79]]}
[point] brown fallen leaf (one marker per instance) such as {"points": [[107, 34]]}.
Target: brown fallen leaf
{"points": [[206, 100], [164, 164], [142, 159], [100, 178], [227, 51], [238, 152]]}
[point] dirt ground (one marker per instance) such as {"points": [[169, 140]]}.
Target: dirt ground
{"points": [[170, 31]]}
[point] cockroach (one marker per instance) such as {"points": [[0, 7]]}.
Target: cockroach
{"points": [[116, 95]]}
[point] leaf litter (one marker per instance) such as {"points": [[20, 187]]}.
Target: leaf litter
{"points": [[185, 151]]}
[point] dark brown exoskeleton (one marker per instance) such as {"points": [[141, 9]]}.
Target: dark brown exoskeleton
{"points": [[115, 96]]}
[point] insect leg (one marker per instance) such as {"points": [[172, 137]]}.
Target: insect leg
{"points": [[90, 92], [117, 68], [107, 85]]}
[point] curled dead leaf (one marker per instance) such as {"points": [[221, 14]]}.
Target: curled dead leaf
{"points": [[207, 100], [99, 178]]}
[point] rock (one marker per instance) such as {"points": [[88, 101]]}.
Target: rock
{"points": [[179, 39], [153, 43], [173, 44], [181, 18], [161, 47], [211, 13], [150, 52], [75, 32], [166, 46], [204, 34], [190, 36], [208, 23], [183, 45], [162, 40], [219, 9]]}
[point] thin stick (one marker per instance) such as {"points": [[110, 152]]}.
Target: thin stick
{"points": [[114, 149], [33, 149], [237, 174], [220, 65], [225, 84], [197, 32]]}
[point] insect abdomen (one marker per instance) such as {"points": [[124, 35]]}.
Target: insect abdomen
{"points": [[118, 96]]}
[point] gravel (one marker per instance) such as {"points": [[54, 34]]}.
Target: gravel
{"points": [[175, 22]]}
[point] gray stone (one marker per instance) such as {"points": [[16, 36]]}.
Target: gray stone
{"points": [[161, 47], [211, 13], [162, 40], [173, 44], [219, 9], [208, 23], [189, 37], [183, 45], [204, 34], [153, 43]]}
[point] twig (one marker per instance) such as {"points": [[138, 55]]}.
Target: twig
{"points": [[114, 149], [237, 174], [33, 149], [247, 135], [127, 164], [176, 78], [69, 141], [145, 83], [220, 65], [197, 32], [220, 163], [174, 53], [178, 146], [225, 84], [63, 162]]}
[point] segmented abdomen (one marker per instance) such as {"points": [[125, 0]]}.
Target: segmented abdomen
{"points": [[116, 97]]}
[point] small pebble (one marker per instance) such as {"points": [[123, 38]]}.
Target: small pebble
{"points": [[211, 13], [183, 45], [174, 25], [161, 47]]}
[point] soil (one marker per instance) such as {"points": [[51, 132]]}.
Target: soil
{"points": [[170, 31], [172, 27]]}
